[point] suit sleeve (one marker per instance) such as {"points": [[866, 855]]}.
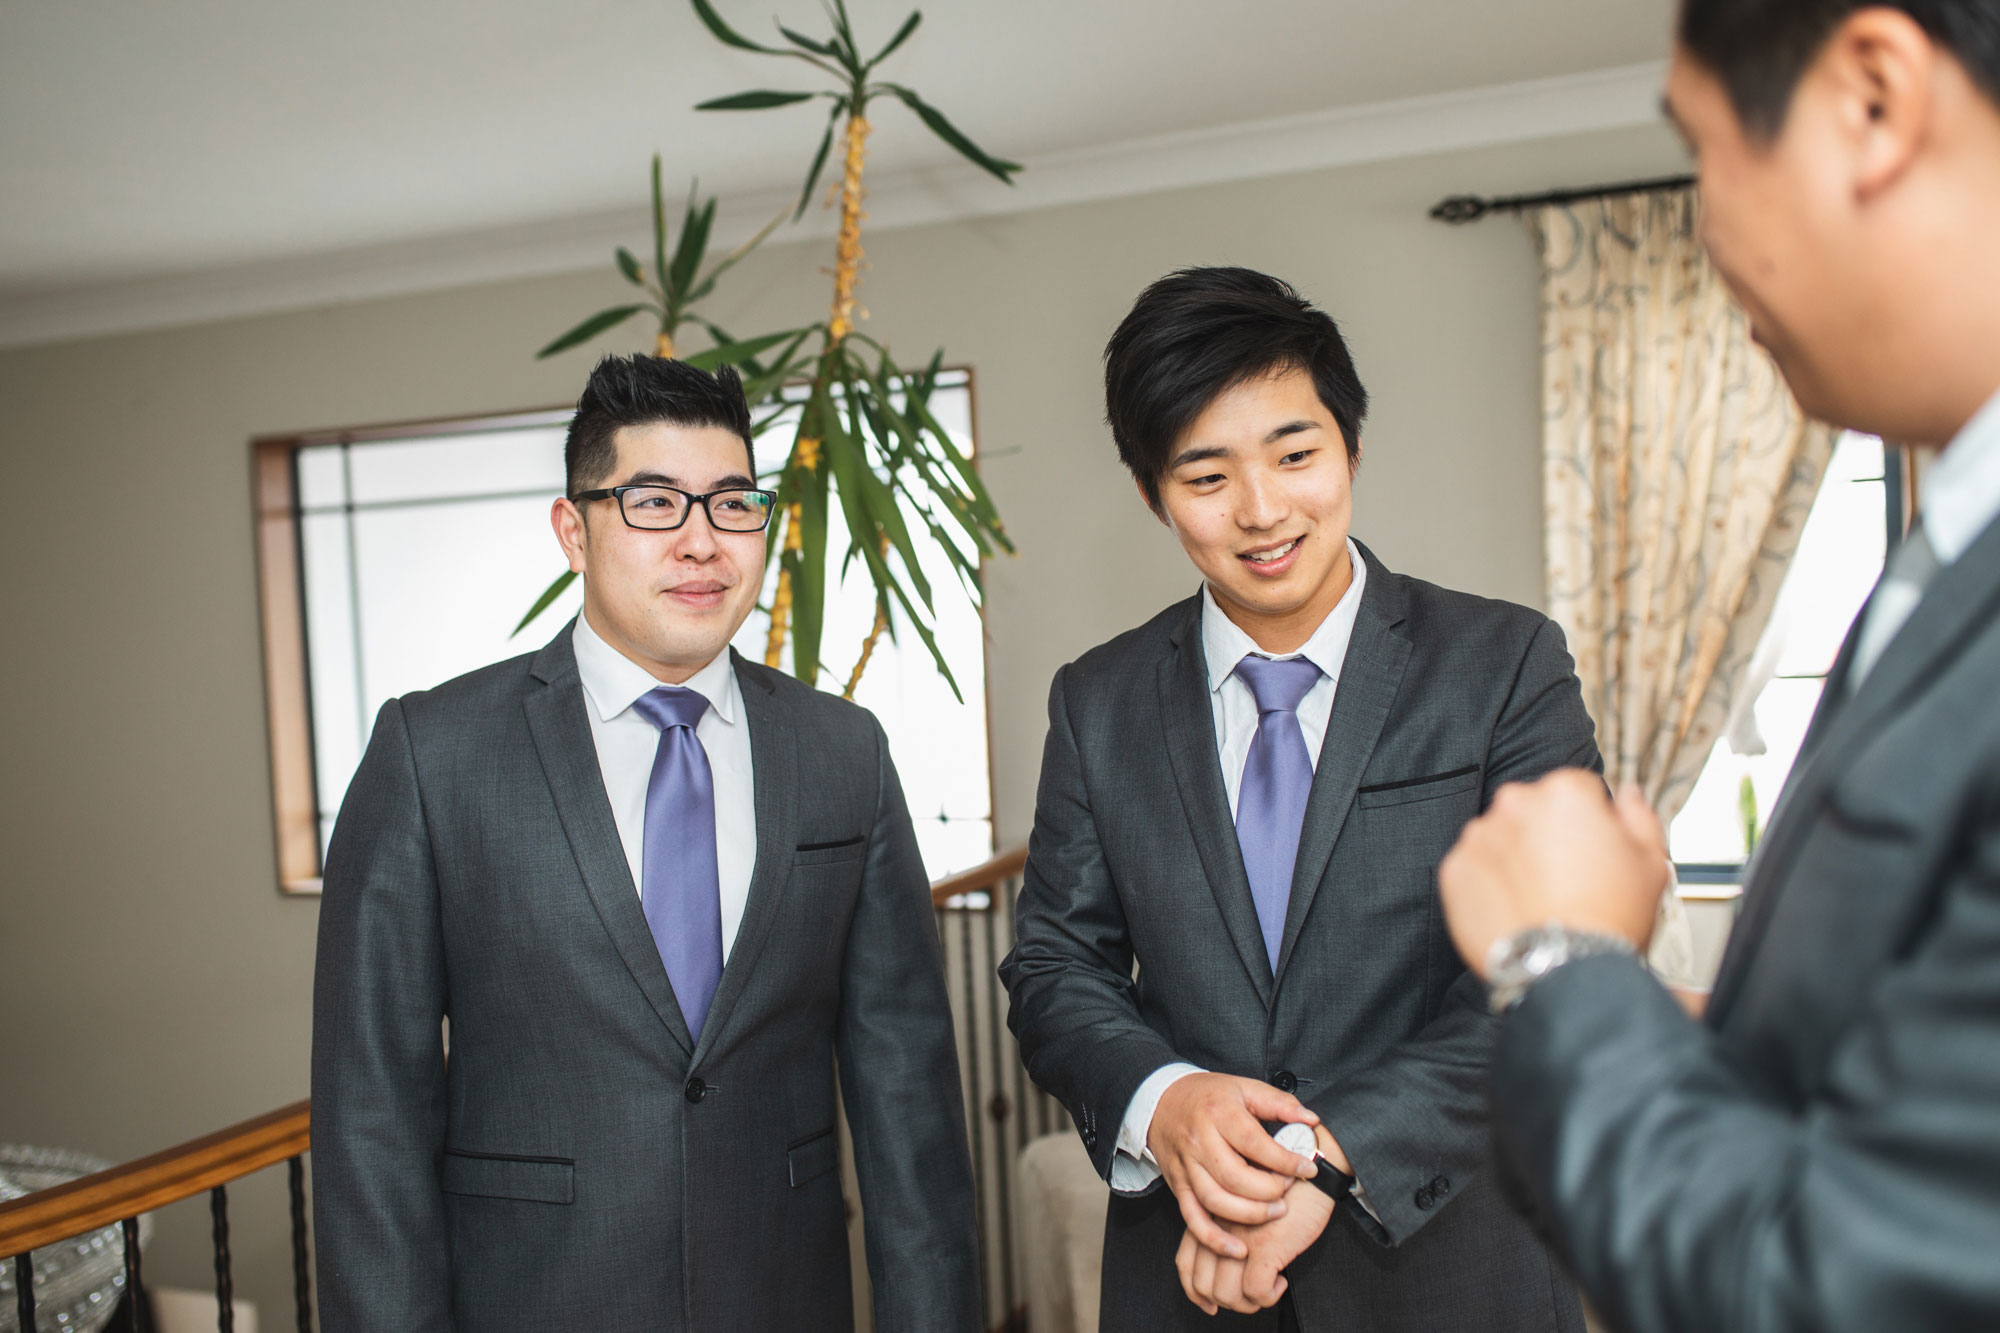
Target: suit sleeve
{"points": [[1414, 1125], [1069, 976], [1685, 1198], [899, 1080], [378, 1071]]}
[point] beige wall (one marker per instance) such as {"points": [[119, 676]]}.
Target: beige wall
{"points": [[153, 982]]}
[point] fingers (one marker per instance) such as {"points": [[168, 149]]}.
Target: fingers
{"points": [[1228, 1205], [1184, 1264], [1205, 1264], [1257, 1148], [1264, 1102], [1640, 820], [1203, 1228]]}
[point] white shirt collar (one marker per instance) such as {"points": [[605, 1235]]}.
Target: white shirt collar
{"points": [[1224, 644], [613, 681], [1961, 492]]}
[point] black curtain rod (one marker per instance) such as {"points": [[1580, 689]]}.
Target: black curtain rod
{"points": [[1463, 208]]}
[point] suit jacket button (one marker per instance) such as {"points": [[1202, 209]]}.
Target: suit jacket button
{"points": [[696, 1090], [1441, 1186], [1285, 1081], [1425, 1199]]}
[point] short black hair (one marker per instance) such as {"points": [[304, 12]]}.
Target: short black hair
{"points": [[641, 391], [1760, 49], [1198, 333]]}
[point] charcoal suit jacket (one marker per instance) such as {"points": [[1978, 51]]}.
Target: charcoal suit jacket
{"points": [[1824, 1151], [1369, 1017], [579, 1162]]}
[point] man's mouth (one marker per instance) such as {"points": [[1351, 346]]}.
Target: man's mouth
{"points": [[702, 593], [1271, 559]]}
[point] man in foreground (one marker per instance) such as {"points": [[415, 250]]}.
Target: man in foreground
{"points": [[1248, 797], [1823, 1152], [654, 890]]}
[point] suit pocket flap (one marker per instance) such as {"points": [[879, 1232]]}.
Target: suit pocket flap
{"points": [[1420, 789], [830, 853], [813, 1157], [491, 1176]]}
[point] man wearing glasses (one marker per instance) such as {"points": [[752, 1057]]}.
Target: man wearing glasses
{"points": [[654, 890]]}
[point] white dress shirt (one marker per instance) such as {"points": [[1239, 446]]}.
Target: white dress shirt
{"points": [[1234, 707], [1960, 498], [626, 743]]}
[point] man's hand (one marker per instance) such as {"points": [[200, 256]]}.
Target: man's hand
{"points": [[1219, 1160], [1555, 852], [1255, 1282]]}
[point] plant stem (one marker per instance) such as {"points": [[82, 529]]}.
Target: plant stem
{"points": [[847, 262], [781, 600], [664, 346]]}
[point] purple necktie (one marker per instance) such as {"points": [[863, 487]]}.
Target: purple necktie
{"points": [[1277, 778], [679, 885]]}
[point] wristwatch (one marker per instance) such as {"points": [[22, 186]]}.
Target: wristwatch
{"points": [[1518, 961], [1335, 1183]]}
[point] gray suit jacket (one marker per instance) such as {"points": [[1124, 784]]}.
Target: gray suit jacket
{"points": [[579, 1162], [1370, 1017], [1825, 1152]]}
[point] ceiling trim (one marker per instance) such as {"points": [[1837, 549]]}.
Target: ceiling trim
{"points": [[1408, 127]]}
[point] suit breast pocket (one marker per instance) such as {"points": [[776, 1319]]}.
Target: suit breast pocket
{"points": [[501, 1176], [831, 853], [1411, 790]]}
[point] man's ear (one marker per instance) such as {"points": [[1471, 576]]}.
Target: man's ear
{"points": [[572, 534], [1880, 73], [1146, 498]]}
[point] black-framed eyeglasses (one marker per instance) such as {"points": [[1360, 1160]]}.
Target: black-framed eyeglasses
{"points": [[664, 508]]}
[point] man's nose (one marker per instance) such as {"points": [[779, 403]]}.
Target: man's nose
{"points": [[1263, 503]]}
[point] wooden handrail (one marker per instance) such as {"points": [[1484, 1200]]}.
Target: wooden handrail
{"points": [[50, 1215], [1002, 867]]}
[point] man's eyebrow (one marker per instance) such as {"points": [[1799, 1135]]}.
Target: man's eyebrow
{"points": [[1291, 428], [650, 478], [735, 481], [1197, 455]]}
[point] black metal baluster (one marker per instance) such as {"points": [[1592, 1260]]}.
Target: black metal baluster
{"points": [[295, 1170], [225, 1288], [1001, 1110], [134, 1296], [972, 1103], [24, 1290]]}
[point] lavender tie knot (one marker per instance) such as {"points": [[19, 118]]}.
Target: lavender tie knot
{"points": [[1277, 779], [680, 887]]}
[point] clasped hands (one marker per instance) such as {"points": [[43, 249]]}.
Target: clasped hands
{"points": [[1248, 1204]]}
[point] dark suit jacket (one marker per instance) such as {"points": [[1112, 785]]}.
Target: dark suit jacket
{"points": [[579, 1163], [1825, 1152], [1371, 1018]]}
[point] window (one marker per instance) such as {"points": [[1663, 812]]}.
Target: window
{"points": [[394, 559], [1856, 516]]}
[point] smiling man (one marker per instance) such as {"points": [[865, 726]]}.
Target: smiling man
{"points": [[1822, 1151], [1247, 798], [654, 890]]}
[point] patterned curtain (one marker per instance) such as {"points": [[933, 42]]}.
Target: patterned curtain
{"points": [[1678, 473]]}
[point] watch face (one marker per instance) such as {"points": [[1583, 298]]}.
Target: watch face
{"points": [[1298, 1139]]}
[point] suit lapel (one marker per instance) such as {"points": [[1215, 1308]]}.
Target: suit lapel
{"points": [[1370, 676], [774, 766], [1957, 604], [1189, 722], [561, 731]]}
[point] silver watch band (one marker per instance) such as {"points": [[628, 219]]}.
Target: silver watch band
{"points": [[1518, 961]]}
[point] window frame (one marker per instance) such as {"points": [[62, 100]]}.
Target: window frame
{"points": [[1722, 881]]}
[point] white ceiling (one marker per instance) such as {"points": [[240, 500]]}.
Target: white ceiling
{"points": [[139, 140]]}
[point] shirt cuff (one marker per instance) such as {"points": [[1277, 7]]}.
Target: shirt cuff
{"points": [[1133, 1169]]}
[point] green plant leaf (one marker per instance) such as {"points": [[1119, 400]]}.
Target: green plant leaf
{"points": [[660, 236], [809, 580], [843, 34], [902, 35], [814, 45], [734, 257], [547, 599], [629, 266], [930, 640], [736, 353], [948, 132], [761, 100], [694, 244], [591, 327], [819, 160], [724, 33]]}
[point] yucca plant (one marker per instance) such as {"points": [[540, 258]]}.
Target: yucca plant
{"points": [[672, 287], [865, 436]]}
